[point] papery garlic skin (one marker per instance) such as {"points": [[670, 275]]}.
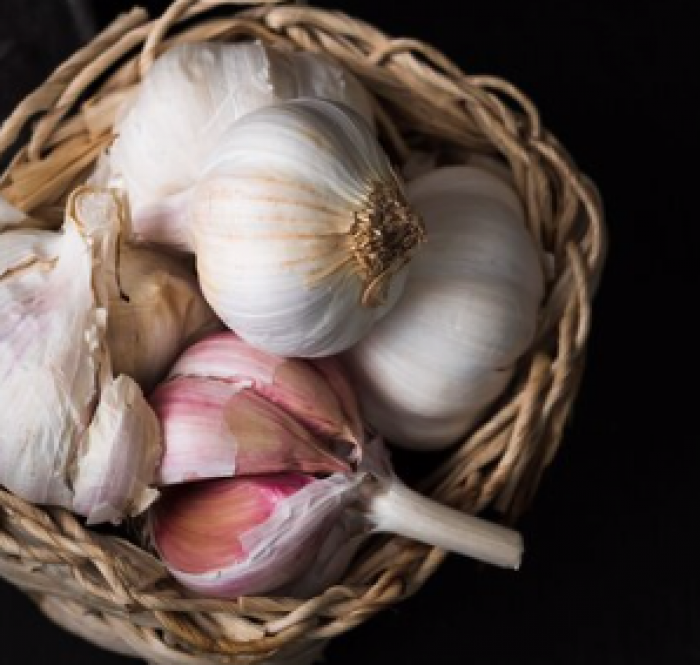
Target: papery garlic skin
{"points": [[195, 91], [115, 465], [301, 230], [428, 371], [48, 364], [56, 374], [157, 312]]}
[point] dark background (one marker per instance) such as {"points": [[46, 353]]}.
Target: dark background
{"points": [[611, 571]]}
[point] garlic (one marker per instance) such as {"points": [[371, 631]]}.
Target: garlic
{"points": [[448, 349], [300, 228], [244, 424], [156, 311], [227, 538], [256, 534], [228, 409], [55, 371], [194, 92]]}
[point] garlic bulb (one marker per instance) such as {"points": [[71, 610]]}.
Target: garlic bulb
{"points": [[195, 91], [300, 229], [428, 371], [59, 438], [296, 534], [228, 409], [155, 313]]}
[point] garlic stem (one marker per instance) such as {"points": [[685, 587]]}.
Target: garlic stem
{"points": [[394, 508]]}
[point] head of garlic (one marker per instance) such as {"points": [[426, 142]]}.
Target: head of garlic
{"points": [[427, 371], [72, 435], [300, 228], [155, 313], [194, 92]]}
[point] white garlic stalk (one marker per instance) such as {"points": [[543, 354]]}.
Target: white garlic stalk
{"points": [[69, 430], [156, 312], [300, 228], [447, 350], [195, 91]]}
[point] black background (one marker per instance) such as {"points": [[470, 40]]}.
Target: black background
{"points": [[611, 571]]}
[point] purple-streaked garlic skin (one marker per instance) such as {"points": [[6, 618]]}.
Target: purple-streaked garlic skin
{"points": [[315, 392], [215, 429], [228, 410], [244, 536]]}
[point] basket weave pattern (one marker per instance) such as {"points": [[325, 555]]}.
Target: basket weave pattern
{"points": [[120, 596]]}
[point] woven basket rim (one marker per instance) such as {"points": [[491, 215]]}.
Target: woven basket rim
{"points": [[133, 607]]}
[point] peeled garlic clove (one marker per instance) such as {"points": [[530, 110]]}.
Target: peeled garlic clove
{"points": [[194, 92], [154, 314], [448, 349], [301, 229], [315, 393], [243, 536], [216, 429], [115, 466]]}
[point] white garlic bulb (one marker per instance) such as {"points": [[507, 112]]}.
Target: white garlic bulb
{"points": [[301, 230], [428, 370], [157, 311], [55, 371], [194, 92]]}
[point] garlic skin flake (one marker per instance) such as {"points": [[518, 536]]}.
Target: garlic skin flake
{"points": [[194, 92], [55, 371], [448, 349], [301, 230]]}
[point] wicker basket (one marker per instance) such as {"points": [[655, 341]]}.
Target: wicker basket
{"points": [[111, 592]]}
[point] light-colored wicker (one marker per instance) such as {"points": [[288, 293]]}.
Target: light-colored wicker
{"points": [[119, 596]]}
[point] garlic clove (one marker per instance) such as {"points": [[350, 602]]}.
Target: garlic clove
{"points": [[244, 536], [117, 457], [215, 429], [48, 362], [159, 311], [315, 393]]}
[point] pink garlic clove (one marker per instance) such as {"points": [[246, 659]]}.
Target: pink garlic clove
{"points": [[315, 393], [243, 536], [214, 429]]}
